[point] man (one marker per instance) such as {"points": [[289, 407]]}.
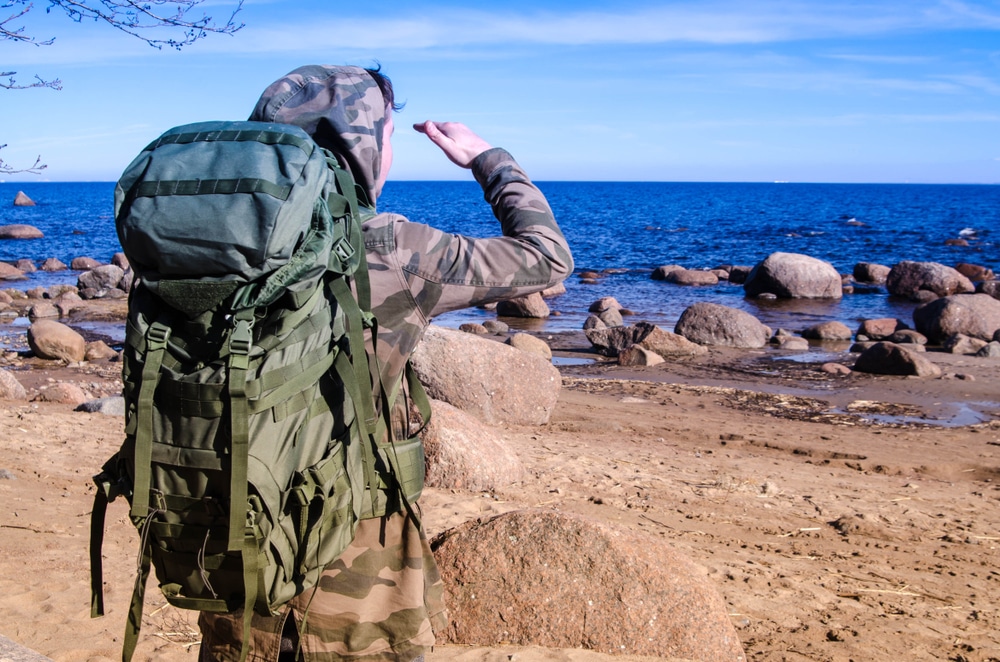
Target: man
{"points": [[381, 600]]}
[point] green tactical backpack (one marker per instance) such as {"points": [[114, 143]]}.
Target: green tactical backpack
{"points": [[252, 434]]}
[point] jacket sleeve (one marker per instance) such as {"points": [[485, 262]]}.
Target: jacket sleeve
{"points": [[447, 272]]}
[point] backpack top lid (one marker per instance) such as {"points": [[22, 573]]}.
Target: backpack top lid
{"points": [[220, 202]]}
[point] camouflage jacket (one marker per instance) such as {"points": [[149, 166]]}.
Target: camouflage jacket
{"points": [[418, 272]]}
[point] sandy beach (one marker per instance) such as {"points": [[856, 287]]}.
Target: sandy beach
{"points": [[840, 517]]}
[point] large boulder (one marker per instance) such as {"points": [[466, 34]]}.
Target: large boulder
{"points": [[492, 381], [886, 358], [54, 341], [794, 276], [20, 231], [550, 579], [462, 452], [714, 324], [975, 315], [907, 279]]}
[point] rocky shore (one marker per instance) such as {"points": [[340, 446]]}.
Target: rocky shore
{"points": [[835, 512]]}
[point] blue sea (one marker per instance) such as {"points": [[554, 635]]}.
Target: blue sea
{"points": [[628, 229]]}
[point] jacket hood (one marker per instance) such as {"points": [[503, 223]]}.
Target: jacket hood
{"points": [[342, 108]]}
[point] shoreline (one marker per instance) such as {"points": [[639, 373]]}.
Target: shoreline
{"points": [[840, 517]]}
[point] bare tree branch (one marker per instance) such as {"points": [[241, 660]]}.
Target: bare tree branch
{"points": [[143, 19], [7, 169], [133, 17], [12, 84]]}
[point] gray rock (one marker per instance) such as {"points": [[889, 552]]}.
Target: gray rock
{"points": [[550, 579], [120, 261], [10, 272], [22, 200], [43, 310], [496, 327], [661, 273], [638, 356], [962, 344], [10, 388], [98, 350], [105, 277], [20, 231], [794, 343], [554, 291], [693, 277], [738, 274], [52, 264], [908, 337], [827, 331], [593, 322], [26, 266], [990, 350], [472, 327], [531, 306], [611, 317], [463, 453], [714, 324], [83, 263], [490, 380], [604, 303], [51, 340], [111, 406], [669, 345], [974, 272], [835, 368], [885, 358], [529, 343], [881, 328], [908, 279], [991, 287], [64, 393], [869, 272], [975, 315], [610, 341], [794, 276]]}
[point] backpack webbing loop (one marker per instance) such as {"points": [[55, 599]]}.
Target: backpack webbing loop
{"points": [[156, 347], [240, 342]]}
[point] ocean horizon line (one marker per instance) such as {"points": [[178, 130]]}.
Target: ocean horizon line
{"points": [[596, 181]]}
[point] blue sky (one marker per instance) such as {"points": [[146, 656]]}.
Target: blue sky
{"points": [[716, 90]]}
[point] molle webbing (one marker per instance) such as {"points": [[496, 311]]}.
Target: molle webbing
{"points": [[264, 137]]}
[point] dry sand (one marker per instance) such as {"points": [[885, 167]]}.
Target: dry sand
{"points": [[830, 537]]}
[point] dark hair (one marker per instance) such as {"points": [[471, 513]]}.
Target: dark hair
{"points": [[385, 87]]}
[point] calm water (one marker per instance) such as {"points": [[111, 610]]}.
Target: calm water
{"points": [[630, 229]]}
